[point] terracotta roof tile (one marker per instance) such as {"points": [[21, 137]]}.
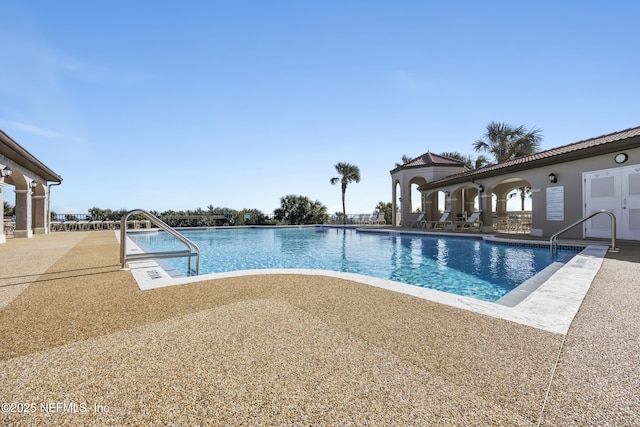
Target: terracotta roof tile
{"points": [[576, 146], [430, 159]]}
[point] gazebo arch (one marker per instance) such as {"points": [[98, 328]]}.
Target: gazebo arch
{"points": [[423, 169], [462, 199], [435, 202], [502, 187], [416, 181], [29, 177]]}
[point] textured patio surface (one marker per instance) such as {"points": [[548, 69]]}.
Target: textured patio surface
{"points": [[82, 345]]}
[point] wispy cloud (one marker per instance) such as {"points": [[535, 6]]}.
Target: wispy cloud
{"points": [[50, 64], [39, 92], [38, 131], [32, 129]]}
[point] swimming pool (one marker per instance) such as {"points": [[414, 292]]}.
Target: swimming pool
{"points": [[459, 265]]}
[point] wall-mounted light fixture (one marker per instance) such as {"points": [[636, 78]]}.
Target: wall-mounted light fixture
{"points": [[621, 158], [5, 172], [553, 178], [446, 194], [33, 184], [480, 189]]}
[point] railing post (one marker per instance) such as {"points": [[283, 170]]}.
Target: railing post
{"points": [[123, 241], [553, 241], [155, 220]]}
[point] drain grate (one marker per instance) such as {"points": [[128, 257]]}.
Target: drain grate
{"points": [[154, 274]]}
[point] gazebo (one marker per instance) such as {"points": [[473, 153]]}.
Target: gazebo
{"points": [[428, 167]]}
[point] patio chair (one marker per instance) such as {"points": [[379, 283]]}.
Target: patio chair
{"points": [[9, 227], [418, 221], [440, 224], [369, 219], [70, 224], [473, 222], [96, 224]]}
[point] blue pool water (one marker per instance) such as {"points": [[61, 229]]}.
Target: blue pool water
{"points": [[463, 266]]}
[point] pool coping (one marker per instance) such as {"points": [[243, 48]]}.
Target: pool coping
{"points": [[549, 305]]}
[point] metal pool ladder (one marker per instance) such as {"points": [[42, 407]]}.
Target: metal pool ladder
{"points": [[553, 241], [191, 251]]}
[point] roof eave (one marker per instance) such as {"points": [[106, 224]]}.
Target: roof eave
{"points": [[444, 165], [608, 148], [14, 151]]}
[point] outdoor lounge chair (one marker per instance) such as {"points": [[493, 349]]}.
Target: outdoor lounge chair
{"points": [[70, 225], [110, 224], [359, 219], [96, 224], [9, 227], [440, 224], [369, 219], [417, 222], [374, 218], [473, 222]]}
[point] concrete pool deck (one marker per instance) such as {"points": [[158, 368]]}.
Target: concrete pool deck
{"points": [[288, 349], [548, 301]]}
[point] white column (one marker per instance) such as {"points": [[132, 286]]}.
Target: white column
{"points": [[23, 214], [393, 202], [2, 236], [487, 212], [39, 215]]}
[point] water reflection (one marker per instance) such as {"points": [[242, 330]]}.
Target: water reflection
{"points": [[458, 265]]}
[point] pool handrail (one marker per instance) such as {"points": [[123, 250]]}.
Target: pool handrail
{"points": [[192, 248], [553, 241]]}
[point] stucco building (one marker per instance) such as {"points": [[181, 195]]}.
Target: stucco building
{"points": [[565, 184], [31, 180]]}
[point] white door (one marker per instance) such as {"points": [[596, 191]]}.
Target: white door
{"points": [[630, 226], [616, 190], [602, 191]]}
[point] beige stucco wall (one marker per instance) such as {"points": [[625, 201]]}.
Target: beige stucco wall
{"points": [[569, 176], [401, 182], [31, 204]]}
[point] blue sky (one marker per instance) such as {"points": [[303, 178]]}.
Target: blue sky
{"points": [[179, 105]]}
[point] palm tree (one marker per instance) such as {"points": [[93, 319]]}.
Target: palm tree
{"points": [[468, 160], [405, 159], [8, 209], [506, 142], [348, 173]]}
